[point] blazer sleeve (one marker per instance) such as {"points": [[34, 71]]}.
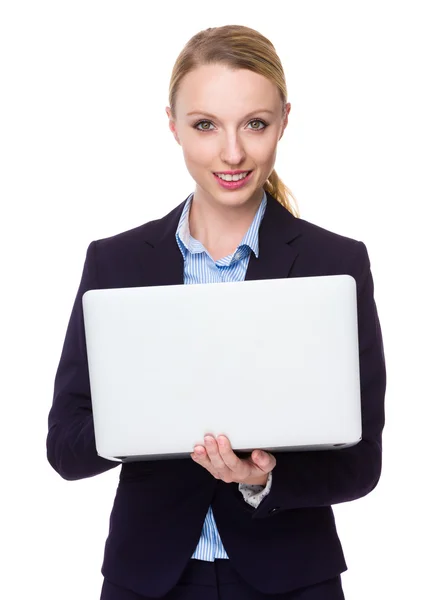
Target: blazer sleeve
{"points": [[70, 443], [322, 478]]}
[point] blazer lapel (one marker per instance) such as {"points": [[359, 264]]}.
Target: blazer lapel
{"points": [[162, 260], [278, 249]]}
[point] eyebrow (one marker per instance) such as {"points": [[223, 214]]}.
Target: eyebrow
{"points": [[254, 112]]}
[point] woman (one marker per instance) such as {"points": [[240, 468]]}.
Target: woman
{"points": [[215, 525]]}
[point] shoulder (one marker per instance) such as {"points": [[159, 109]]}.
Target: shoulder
{"points": [[311, 238], [320, 234], [151, 231], [329, 251], [279, 222]]}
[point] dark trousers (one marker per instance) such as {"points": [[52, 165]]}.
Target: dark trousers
{"points": [[217, 580]]}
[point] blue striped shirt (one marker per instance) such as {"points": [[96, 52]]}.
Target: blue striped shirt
{"points": [[199, 267]]}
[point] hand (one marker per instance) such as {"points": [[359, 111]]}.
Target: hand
{"points": [[219, 459]]}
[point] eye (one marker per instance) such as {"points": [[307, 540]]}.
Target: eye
{"points": [[200, 123], [196, 126], [259, 121]]}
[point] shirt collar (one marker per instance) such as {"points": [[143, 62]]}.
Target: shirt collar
{"points": [[186, 241]]}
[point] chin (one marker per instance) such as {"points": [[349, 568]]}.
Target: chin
{"points": [[239, 198]]}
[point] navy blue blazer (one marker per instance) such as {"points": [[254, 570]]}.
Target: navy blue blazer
{"points": [[290, 540]]}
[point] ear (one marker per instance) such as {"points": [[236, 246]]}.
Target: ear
{"points": [[285, 121], [172, 125]]}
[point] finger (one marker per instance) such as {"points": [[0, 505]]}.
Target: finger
{"points": [[199, 452], [201, 457], [264, 460], [216, 459], [232, 461]]}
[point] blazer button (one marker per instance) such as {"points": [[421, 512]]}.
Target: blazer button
{"points": [[274, 510]]}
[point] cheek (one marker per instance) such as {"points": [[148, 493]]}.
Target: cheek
{"points": [[195, 159], [199, 155], [263, 157], [261, 150]]}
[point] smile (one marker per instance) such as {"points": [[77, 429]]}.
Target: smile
{"points": [[232, 177], [233, 182]]}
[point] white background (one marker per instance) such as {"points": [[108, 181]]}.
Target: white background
{"points": [[86, 153]]}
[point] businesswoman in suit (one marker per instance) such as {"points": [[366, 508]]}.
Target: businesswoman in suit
{"points": [[216, 526]]}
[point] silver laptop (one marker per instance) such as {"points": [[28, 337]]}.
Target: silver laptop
{"points": [[272, 364]]}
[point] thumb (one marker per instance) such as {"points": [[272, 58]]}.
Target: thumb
{"points": [[261, 458]]}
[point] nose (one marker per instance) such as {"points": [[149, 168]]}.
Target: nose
{"points": [[232, 152]]}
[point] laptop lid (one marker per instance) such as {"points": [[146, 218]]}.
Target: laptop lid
{"points": [[272, 364]]}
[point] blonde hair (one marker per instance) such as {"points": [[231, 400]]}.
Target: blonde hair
{"points": [[237, 47]]}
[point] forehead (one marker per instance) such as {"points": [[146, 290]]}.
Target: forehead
{"points": [[222, 90]]}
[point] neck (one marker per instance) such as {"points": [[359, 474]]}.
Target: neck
{"points": [[221, 228]]}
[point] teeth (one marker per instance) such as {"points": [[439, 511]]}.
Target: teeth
{"points": [[232, 177]]}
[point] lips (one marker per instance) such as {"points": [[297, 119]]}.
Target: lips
{"points": [[234, 185]]}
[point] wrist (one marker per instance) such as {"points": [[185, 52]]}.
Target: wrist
{"points": [[261, 480]]}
